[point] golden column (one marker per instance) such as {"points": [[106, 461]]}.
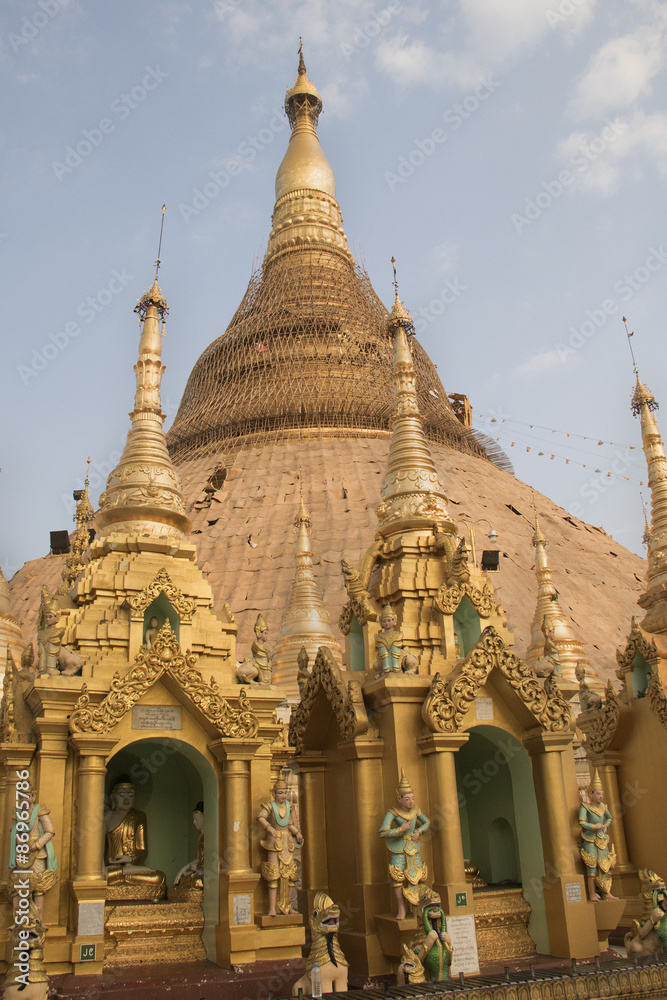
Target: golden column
{"points": [[448, 863], [15, 757], [52, 739], [237, 937], [312, 813], [570, 918]]}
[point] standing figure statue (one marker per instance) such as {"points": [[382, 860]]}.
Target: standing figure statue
{"points": [[49, 636], [402, 827], [41, 863], [280, 821], [598, 855], [391, 657], [126, 846]]}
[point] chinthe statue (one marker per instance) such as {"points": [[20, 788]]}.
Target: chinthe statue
{"points": [[401, 828], [650, 936], [189, 882], [26, 977], [126, 846], [588, 700], [279, 820], [391, 657], [549, 661], [34, 828], [598, 855], [257, 668], [325, 950]]}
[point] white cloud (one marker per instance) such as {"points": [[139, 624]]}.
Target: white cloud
{"points": [[641, 141], [540, 363]]}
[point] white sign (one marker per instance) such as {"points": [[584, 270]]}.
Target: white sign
{"points": [[156, 717], [242, 909], [465, 958], [484, 708], [573, 892], [91, 919]]}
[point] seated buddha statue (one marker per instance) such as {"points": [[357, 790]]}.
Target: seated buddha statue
{"points": [[126, 846], [189, 882]]}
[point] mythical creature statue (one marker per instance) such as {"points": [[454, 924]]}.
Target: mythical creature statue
{"points": [[410, 970], [650, 936], [391, 657], [26, 977], [325, 949], [597, 854], [549, 661], [588, 700], [280, 821], [401, 828], [258, 667], [433, 948], [49, 635], [126, 848]]}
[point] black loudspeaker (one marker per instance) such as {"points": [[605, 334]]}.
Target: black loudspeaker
{"points": [[491, 560], [59, 543]]}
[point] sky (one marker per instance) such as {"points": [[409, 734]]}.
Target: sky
{"points": [[510, 154]]}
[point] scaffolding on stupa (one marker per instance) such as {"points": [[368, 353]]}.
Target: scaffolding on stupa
{"points": [[307, 354]]}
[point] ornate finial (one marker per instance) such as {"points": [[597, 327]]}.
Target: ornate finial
{"points": [[404, 786], [302, 515], [154, 297], [399, 315], [632, 353], [641, 395], [302, 66], [302, 101], [596, 783], [648, 530], [157, 262], [393, 264], [83, 518]]}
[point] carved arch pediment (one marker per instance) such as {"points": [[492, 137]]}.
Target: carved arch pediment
{"points": [[345, 699], [636, 643], [450, 698], [162, 584], [164, 657], [600, 724], [450, 596], [657, 697]]}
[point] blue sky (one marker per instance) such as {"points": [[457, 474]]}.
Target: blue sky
{"points": [[511, 154]]}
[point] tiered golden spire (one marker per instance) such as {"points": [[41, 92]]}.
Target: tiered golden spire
{"points": [[83, 518], [412, 493], [306, 621], [550, 619], [306, 210], [143, 494]]}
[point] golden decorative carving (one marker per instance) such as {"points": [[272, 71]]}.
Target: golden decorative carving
{"points": [[183, 606], [600, 724], [449, 700], [346, 701], [657, 697], [450, 596], [164, 656], [636, 643]]}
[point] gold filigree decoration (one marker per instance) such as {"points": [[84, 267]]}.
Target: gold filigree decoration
{"points": [[7, 727], [346, 700], [450, 596], [657, 697], [164, 656], [449, 700], [636, 643], [600, 724], [183, 606]]}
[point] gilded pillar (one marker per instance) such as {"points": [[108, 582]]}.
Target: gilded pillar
{"points": [[448, 863], [570, 919], [88, 819], [312, 812], [52, 739], [15, 757]]}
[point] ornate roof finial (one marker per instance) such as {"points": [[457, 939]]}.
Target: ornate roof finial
{"points": [[302, 66], [83, 518], [143, 494], [648, 531], [302, 101], [399, 314]]}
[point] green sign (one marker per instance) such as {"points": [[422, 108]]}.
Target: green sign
{"points": [[88, 952], [461, 898]]}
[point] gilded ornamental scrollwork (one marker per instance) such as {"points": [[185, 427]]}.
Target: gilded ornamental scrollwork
{"points": [[449, 699], [164, 656], [450, 596], [637, 643], [600, 724], [161, 584], [346, 700], [657, 697]]}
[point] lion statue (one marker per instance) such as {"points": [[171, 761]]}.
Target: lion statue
{"points": [[649, 937], [324, 950]]}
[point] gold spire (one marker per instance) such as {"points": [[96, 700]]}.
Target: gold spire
{"points": [[550, 614], [306, 622], [654, 601], [143, 494], [306, 210], [83, 518], [412, 493]]}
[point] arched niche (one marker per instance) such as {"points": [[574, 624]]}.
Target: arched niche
{"points": [[357, 648], [161, 609], [640, 675], [170, 777], [499, 819], [467, 626]]}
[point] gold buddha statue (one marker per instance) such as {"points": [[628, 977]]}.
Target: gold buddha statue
{"points": [[126, 846]]}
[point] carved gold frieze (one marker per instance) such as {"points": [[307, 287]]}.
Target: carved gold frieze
{"points": [[448, 700], [164, 656], [450, 596], [183, 606], [657, 697], [346, 700], [636, 643], [600, 724]]}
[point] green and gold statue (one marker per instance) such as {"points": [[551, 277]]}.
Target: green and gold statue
{"points": [[401, 828], [280, 821], [597, 853]]}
